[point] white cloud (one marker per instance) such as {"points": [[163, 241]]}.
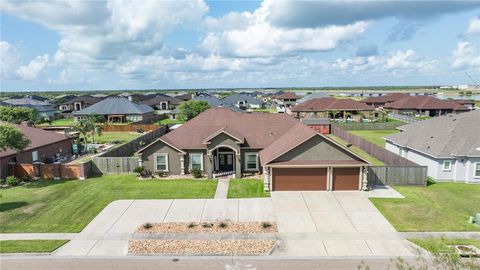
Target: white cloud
{"points": [[9, 59], [466, 56], [33, 68], [473, 27]]}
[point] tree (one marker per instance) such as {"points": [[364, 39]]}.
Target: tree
{"points": [[12, 137], [85, 126], [192, 108], [18, 114]]}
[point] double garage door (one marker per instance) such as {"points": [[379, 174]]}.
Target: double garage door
{"points": [[285, 179]]}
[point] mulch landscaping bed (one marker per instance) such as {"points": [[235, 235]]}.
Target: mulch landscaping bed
{"points": [[209, 227], [206, 247]]}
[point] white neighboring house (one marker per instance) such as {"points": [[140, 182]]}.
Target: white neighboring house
{"points": [[448, 145]]}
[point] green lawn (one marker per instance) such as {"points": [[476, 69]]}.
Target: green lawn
{"points": [[246, 188], [441, 245], [117, 137], [374, 136], [171, 122], [30, 246], [65, 122], [437, 207], [374, 161], [68, 206]]}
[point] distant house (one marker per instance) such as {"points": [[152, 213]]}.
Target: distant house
{"points": [[216, 102], [313, 96], [78, 103], [163, 102], [381, 101], [243, 101], [286, 99], [45, 147], [117, 110], [425, 106], [184, 97], [469, 103], [45, 109], [448, 145], [333, 108], [290, 155]]}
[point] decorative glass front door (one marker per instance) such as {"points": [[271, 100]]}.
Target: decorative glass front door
{"points": [[225, 162]]}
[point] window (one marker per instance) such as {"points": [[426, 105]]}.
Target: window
{"points": [[477, 169], [251, 161], [196, 161], [447, 165], [161, 162], [400, 152], [35, 156]]}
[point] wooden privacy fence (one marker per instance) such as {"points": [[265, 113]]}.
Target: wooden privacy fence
{"points": [[397, 175], [380, 153], [129, 127], [53, 171], [368, 126], [127, 149], [114, 165]]}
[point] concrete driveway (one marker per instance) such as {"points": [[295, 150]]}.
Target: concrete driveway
{"points": [[334, 224]]}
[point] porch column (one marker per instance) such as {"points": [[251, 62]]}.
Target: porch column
{"points": [[329, 179], [238, 166], [209, 167], [363, 177], [182, 164], [266, 179]]}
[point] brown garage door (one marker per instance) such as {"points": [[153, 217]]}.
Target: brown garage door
{"points": [[299, 179], [346, 178]]}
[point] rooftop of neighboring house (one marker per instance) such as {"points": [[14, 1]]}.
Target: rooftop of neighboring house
{"points": [[162, 97], [115, 105], [313, 96], [85, 99], [287, 95], [216, 102], [38, 138], [391, 97], [25, 101], [425, 103], [443, 136], [331, 104], [233, 99], [65, 97], [465, 101], [184, 97]]}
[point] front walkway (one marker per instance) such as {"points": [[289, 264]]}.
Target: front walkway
{"points": [[222, 188]]}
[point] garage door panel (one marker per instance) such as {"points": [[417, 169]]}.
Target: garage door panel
{"points": [[346, 178], [299, 179]]}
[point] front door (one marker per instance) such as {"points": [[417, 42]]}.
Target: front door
{"points": [[225, 162]]}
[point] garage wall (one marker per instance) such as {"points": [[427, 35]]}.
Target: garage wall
{"points": [[316, 148]]}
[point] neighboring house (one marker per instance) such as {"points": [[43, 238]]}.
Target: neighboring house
{"points": [[45, 146], [321, 125], [448, 145], [184, 97], [216, 102], [78, 103], [333, 108], [243, 101], [287, 99], [381, 101], [425, 106], [45, 109], [290, 155], [469, 103], [163, 102], [313, 96], [117, 110]]}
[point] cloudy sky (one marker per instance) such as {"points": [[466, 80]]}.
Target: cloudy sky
{"points": [[61, 45]]}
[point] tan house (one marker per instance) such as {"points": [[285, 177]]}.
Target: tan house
{"points": [[290, 155], [333, 108]]}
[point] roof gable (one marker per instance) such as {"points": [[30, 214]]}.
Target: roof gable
{"points": [[227, 130], [115, 105]]}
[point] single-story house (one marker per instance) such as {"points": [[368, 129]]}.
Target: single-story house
{"points": [[333, 108], [163, 102], [290, 155], [425, 106], [243, 101], [45, 146], [448, 145], [380, 101], [287, 99], [117, 110], [45, 109], [469, 103], [78, 103]]}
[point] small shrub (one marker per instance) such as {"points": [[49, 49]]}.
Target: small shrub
{"points": [[27, 178], [12, 180], [191, 225], [146, 173], [207, 225], [197, 173], [266, 225], [161, 173], [147, 226], [223, 225], [139, 170], [3, 181]]}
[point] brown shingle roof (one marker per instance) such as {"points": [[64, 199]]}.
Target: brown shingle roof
{"points": [[426, 103], [288, 95], [38, 138], [392, 97], [327, 104]]}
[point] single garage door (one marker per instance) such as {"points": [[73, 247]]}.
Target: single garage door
{"points": [[346, 178], [299, 179]]}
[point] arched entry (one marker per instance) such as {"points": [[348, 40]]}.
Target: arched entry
{"points": [[224, 160]]}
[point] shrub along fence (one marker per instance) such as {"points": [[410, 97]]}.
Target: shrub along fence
{"points": [[368, 126], [397, 175]]}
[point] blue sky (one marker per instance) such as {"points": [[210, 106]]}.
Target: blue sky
{"points": [[62, 45]]}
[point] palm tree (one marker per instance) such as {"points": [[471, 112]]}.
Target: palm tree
{"points": [[82, 127]]}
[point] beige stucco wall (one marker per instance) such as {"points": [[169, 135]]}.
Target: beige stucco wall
{"points": [[148, 157]]}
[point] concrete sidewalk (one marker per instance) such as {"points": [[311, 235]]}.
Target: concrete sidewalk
{"points": [[222, 188]]}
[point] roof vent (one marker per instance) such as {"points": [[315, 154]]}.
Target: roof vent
{"points": [[431, 137], [428, 147], [454, 119], [271, 133]]}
